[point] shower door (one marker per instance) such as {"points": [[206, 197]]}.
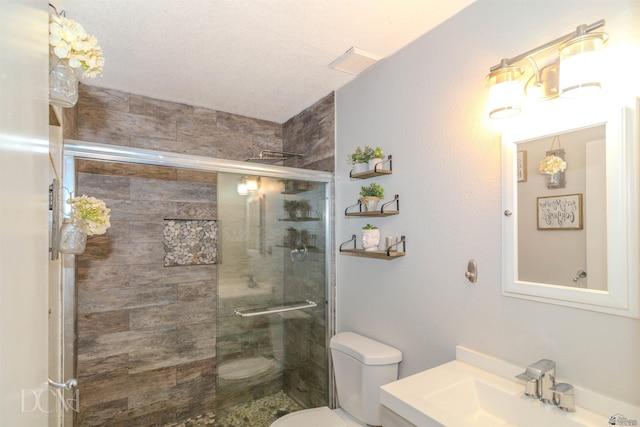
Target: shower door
{"points": [[153, 340], [272, 292]]}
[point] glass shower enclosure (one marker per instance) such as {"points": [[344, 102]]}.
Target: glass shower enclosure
{"points": [[272, 294], [265, 292]]}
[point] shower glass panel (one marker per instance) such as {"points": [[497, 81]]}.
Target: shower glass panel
{"points": [[272, 292], [153, 341]]}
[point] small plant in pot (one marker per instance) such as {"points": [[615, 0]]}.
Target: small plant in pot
{"points": [[291, 206], [370, 237], [370, 195], [359, 159], [375, 156]]}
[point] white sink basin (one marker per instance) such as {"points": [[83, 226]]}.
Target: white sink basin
{"points": [[459, 394]]}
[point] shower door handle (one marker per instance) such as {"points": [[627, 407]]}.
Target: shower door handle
{"points": [[69, 384], [248, 312]]}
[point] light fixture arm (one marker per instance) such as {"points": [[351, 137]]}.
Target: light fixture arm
{"points": [[580, 30]]}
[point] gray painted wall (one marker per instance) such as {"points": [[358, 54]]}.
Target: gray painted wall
{"points": [[426, 106]]}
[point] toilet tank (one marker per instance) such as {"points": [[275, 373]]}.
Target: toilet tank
{"points": [[361, 366]]}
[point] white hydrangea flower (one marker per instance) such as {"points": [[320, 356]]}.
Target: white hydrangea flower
{"points": [[93, 212], [71, 42], [552, 164]]}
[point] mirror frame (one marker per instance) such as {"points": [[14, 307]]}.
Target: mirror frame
{"points": [[622, 296]]}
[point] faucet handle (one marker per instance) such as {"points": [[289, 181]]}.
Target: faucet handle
{"points": [[530, 386], [541, 367], [563, 397]]}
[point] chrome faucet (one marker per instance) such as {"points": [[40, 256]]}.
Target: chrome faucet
{"points": [[540, 383], [540, 378]]}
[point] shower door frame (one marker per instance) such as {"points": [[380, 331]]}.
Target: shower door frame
{"points": [[73, 150]]}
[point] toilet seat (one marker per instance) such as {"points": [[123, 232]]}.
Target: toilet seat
{"points": [[314, 417]]}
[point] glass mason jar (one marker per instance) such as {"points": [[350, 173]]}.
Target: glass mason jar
{"points": [[73, 236], [63, 85]]}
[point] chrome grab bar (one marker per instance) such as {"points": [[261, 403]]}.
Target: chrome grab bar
{"points": [[248, 312]]}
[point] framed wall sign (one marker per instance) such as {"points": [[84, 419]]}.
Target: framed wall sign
{"points": [[521, 166], [560, 212]]}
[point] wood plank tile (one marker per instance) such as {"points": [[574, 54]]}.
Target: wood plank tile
{"points": [[169, 275], [197, 176], [98, 123], [92, 347], [103, 186], [106, 322], [175, 191], [111, 99], [167, 110], [124, 254], [196, 210], [133, 210], [103, 368], [103, 414], [248, 125], [172, 314], [143, 295], [191, 371], [97, 277], [145, 231], [126, 169], [200, 291]]}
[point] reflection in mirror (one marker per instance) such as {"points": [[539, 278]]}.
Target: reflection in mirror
{"points": [[255, 228], [562, 231], [573, 241]]}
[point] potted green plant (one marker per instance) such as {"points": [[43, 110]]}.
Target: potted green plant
{"points": [[375, 156], [370, 195], [370, 237], [359, 160], [291, 207]]}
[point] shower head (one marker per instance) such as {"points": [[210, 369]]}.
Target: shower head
{"points": [[272, 157]]}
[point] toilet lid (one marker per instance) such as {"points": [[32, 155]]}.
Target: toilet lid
{"points": [[314, 417]]}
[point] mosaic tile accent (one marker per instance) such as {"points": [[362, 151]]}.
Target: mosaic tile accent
{"points": [[190, 242]]}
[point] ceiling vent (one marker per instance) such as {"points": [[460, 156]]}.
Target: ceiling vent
{"points": [[354, 61]]}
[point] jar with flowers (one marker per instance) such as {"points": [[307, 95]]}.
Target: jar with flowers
{"points": [[72, 52], [89, 216]]}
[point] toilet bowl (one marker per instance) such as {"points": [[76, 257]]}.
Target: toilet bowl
{"points": [[318, 417], [361, 366]]}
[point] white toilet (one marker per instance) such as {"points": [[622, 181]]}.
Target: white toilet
{"points": [[361, 366]]}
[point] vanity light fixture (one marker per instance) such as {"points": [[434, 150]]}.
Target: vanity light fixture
{"points": [[242, 187], [567, 66], [252, 184], [248, 184]]}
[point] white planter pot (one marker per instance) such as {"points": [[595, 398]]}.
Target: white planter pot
{"points": [[370, 239], [360, 167], [373, 163]]}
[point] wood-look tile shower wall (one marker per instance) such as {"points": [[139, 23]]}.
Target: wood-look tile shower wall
{"points": [[146, 333], [147, 348]]}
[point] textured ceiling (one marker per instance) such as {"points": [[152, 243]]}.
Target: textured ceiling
{"points": [[266, 59]]}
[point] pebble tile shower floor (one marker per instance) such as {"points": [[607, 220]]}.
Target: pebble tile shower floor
{"points": [[258, 413]]}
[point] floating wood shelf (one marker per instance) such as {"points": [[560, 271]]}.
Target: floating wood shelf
{"points": [[377, 170], [383, 211], [301, 219], [373, 254], [389, 254]]}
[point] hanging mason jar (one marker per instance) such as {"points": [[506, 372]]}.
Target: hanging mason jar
{"points": [[63, 84], [73, 236]]}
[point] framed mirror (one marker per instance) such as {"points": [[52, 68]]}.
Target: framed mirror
{"points": [[572, 239]]}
